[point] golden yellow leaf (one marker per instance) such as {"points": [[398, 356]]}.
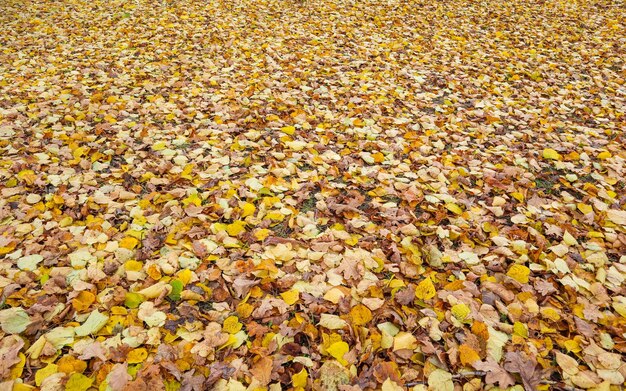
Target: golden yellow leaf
{"points": [[78, 382], [360, 315], [299, 379], [69, 364], [425, 289], [519, 273], [83, 301], [290, 130], [247, 209], [133, 266], [584, 208], [551, 154], [44, 372], [136, 356], [236, 228], [129, 243], [338, 350], [454, 208], [467, 355], [460, 311], [290, 297], [231, 325]]}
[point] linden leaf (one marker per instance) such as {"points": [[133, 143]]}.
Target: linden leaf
{"points": [[519, 273], [78, 382], [136, 356], [360, 315], [45, 372], [290, 130], [14, 320], [440, 380], [454, 208], [551, 154], [338, 350], [467, 355], [332, 322], [247, 209], [404, 340], [425, 290], [83, 301], [231, 325], [299, 379], [133, 300], [92, 325], [129, 243], [460, 312], [290, 297], [29, 262]]}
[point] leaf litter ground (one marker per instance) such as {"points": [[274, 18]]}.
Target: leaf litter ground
{"points": [[312, 195]]}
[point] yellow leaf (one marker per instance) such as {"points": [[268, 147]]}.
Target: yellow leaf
{"points": [[83, 301], [158, 146], [338, 350], [604, 155], [17, 370], [299, 379], [247, 209], [44, 372], [137, 356], [378, 157], [78, 152], [550, 313], [275, 215], [129, 243], [78, 382], [133, 266], [290, 130], [360, 315], [519, 273], [334, 295], [231, 325], [262, 234], [111, 99], [186, 173], [193, 199], [518, 196], [244, 309], [520, 329], [551, 154], [584, 208], [27, 176], [460, 311], [185, 276], [358, 123], [454, 208], [569, 239], [467, 355], [236, 228], [404, 340], [425, 289], [69, 364], [290, 297]]}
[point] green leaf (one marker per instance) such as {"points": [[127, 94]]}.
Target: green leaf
{"points": [[177, 288]]}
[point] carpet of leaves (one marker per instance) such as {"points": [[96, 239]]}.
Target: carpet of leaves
{"points": [[320, 194]]}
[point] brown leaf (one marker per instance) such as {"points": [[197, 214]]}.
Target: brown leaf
{"points": [[262, 370]]}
